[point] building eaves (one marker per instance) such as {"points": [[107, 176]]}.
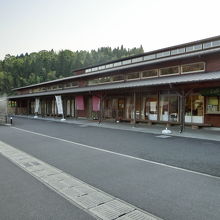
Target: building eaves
{"points": [[178, 79], [124, 67]]}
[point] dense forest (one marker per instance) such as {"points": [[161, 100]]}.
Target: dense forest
{"points": [[26, 69]]}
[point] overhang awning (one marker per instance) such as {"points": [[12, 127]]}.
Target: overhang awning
{"points": [[177, 79]]}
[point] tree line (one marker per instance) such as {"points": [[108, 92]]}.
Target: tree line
{"points": [[36, 67]]}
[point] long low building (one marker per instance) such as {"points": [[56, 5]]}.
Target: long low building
{"points": [[175, 85]]}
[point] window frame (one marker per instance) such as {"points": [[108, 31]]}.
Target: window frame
{"points": [[147, 77], [169, 74], [212, 112], [121, 80], [196, 71], [139, 73], [110, 80]]}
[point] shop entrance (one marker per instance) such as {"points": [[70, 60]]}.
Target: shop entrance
{"points": [[169, 108], [121, 108], [194, 110]]}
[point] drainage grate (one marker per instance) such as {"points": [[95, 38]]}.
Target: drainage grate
{"points": [[111, 210], [137, 215], [92, 200]]}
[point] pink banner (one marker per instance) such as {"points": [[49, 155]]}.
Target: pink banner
{"points": [[95, 103], [79, 103]]}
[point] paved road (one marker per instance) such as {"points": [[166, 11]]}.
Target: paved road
{"points": [[23, 198], [193, 154], [161, 190]]}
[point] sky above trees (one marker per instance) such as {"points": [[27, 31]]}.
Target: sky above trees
{"points": [[35, 25]]}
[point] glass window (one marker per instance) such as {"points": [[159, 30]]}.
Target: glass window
{"points": [[198, 47], [133, 75], [211, 44], [150, 73], [169, 70], [194, 109], [194, 47], [163, 54], [150, 57], [169, 108], [177, 51], [164, 108], [150, 111], [193, 67], [189, 49], [109, 65], [118, 77], [88, 70], [105, 79], [173, 108], [197, 108], [139, 59], [101, 67], [216, 43], [207, 45], [213, 104], [117, 64], [95, 69], [74, 83], [126, 62], [93, 82]]}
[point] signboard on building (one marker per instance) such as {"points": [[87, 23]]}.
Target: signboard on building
{"points": [[59, 105], [80, 103], [95, 103]]}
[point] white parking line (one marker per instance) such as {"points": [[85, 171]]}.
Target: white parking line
{"points": [[92, 200], [118, 154]]}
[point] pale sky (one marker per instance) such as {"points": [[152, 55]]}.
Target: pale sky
{"points": [[34, 25]]}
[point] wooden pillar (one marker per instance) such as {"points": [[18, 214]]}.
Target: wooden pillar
{"points": [[133, 121], [158, 105], [75, 110], [28, 107], [16, 107], [101, 109], [72, 108], [64, 107], [45, 113], [182, 111], [102, 103], [55, 107], [183, 96]]}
